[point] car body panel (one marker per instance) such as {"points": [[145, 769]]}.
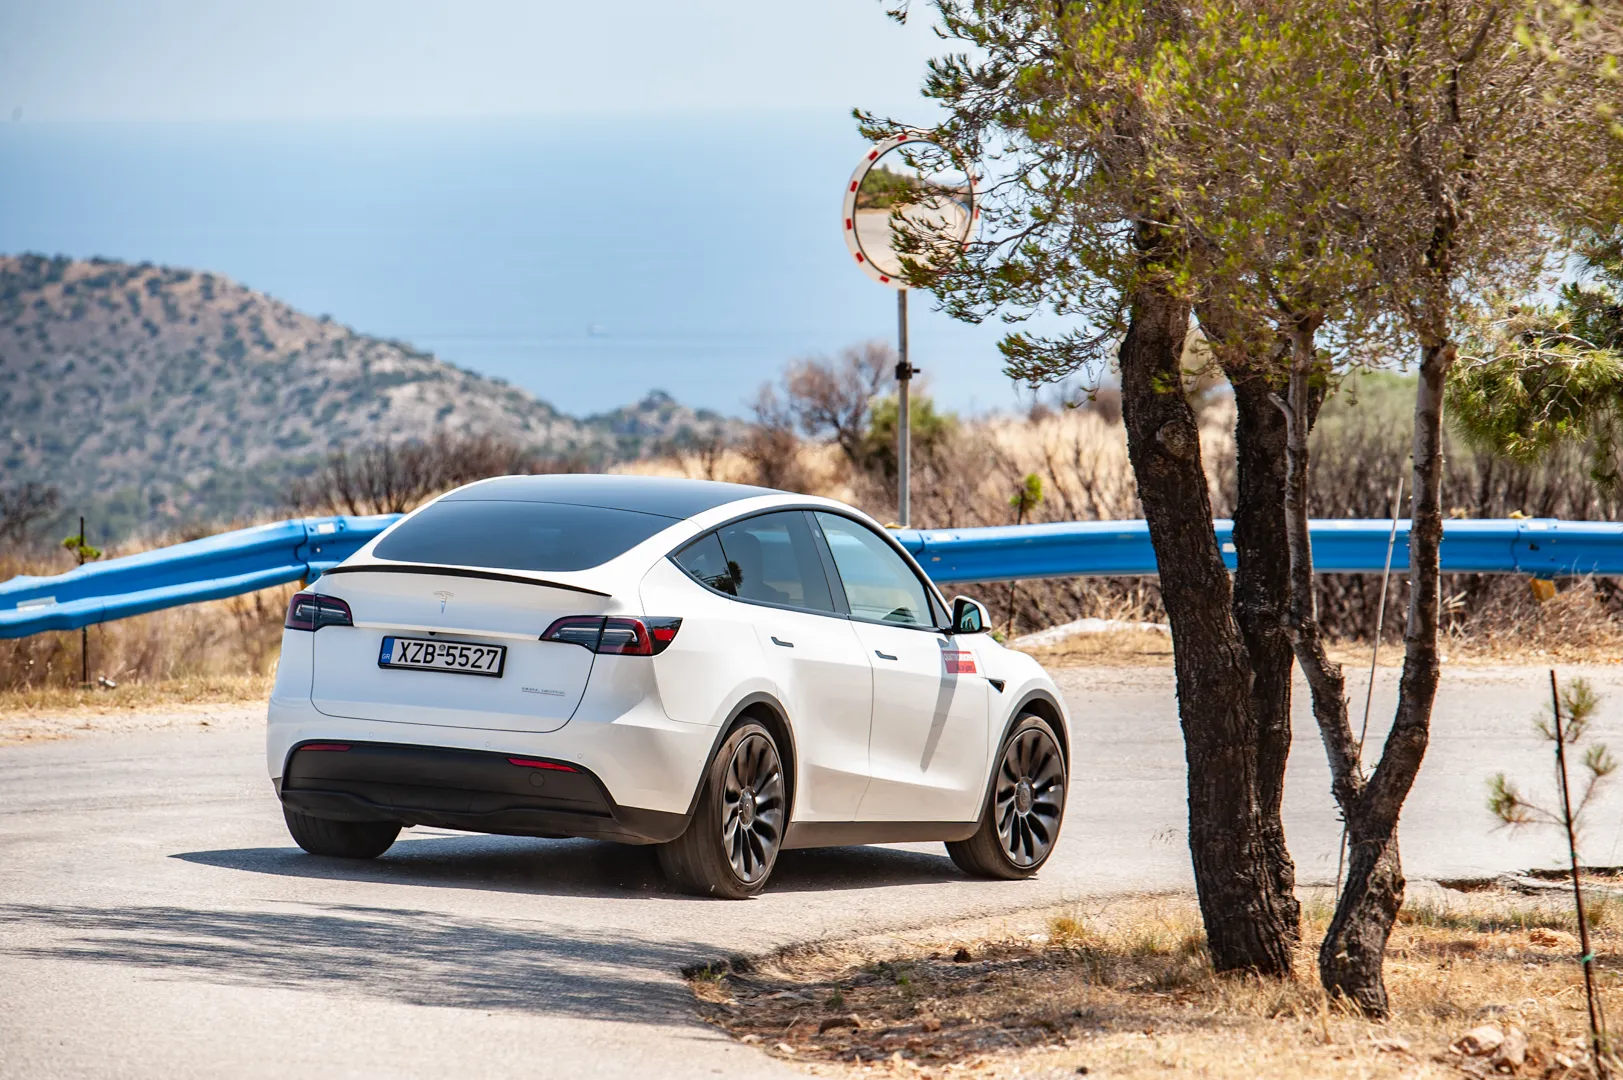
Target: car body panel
{"points": [[716, 657], [539, 689], [825, 683], [928, 737]]}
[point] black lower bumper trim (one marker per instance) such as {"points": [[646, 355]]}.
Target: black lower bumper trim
{"points": [[473, 790]]}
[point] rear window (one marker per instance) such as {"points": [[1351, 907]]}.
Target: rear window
{"points": [[499, 535]]}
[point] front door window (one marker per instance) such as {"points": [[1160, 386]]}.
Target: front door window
{"points": [[879, 586]]}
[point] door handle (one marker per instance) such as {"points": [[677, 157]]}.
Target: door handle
{"points": [[883, 655], [785, 644]]}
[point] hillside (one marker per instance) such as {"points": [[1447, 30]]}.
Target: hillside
{"points": [[145, 392]]}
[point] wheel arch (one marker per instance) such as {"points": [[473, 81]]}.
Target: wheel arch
{"points": [[769, 712], [1042, 703]]}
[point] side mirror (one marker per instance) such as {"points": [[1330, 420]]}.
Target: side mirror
{"points": [[970, 616]]}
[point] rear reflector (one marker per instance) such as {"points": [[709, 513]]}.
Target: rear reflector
{"points": [[645, 636], [325, 746], [531, 763]]}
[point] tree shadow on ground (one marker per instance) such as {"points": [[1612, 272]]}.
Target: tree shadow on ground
{"points": [[416, 957], [576, 867]]}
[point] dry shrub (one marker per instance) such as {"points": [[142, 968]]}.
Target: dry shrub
{"points": [[1361, 448], [234, 637], [391, 478], [966, 474]]}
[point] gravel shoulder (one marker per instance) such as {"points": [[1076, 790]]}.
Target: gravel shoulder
{"points": [[20, 727]]}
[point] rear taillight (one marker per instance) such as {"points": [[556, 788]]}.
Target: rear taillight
{"points": [[615, 636], [310, 611]]}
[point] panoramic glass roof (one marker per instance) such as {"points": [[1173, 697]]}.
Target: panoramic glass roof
{"points": [[668, 496]]}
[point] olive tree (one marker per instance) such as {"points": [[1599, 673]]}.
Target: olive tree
{"points": [[1310, 180], [1064, 108], [1406, 163]]}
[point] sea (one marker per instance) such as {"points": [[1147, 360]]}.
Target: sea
{"points": [[587, 259]]}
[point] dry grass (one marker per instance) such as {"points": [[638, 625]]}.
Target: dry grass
{"points": [[55, 711], [1123, 989], [1573, 627], [1112, 648], [18, 705], [221, 643]]}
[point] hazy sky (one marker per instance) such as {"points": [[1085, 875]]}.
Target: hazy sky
{"points": [[299, 59]]}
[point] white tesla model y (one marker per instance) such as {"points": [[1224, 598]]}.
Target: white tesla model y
{"points": [[721, 670]]}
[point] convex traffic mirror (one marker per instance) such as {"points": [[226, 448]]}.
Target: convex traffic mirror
{"points": [[908, 199]]}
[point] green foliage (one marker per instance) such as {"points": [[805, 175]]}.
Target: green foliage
{"points": [[1579, 702], [1538, 378], [929, 430], [80, 550], [1027, 496], [883, 188]]}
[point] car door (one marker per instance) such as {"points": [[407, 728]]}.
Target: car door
{"points": [[772, 565], [927, 743]]}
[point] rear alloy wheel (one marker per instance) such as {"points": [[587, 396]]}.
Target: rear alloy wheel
{"points": [[342, 839], [1021, 820], [732, 842]]}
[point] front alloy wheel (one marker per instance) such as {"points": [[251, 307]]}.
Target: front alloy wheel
{"points": [[732, 842], [1023, 811]]}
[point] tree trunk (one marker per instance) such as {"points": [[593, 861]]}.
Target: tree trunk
{"points": [[1245, 928], [1262, 571], [1261, 589], [1354, 949]]}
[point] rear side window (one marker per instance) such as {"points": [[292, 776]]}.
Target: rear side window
{"points": [[500, 535], [703, 560], [773, 558]]}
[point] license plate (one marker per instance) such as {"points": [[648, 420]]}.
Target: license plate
{"points": [[462, 657]]}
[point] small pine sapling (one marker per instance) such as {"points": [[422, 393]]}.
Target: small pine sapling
{"points": [[1024, 501], [1564, 725]]}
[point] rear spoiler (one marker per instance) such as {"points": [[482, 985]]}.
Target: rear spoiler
{"points": [[458, 571]]}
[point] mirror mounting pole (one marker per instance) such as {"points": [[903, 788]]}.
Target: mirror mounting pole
{"points": [[904, 375]]}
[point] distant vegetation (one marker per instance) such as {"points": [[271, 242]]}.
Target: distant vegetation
{"points": [[883, 188], [153, 397]]}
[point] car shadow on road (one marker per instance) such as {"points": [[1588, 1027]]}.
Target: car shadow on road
{"points": [[416, 957], [576, 867]]}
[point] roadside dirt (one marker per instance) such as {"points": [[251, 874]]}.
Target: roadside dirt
{"points": [[1140, 648], [1123, 989], [60, 713]]}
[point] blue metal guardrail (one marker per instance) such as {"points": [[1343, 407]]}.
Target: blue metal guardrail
{"points": [[1539, 547], [208, 569], [257, 558]]}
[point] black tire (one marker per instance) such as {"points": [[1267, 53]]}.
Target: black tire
{"points": [[343, 839], [732, 843], [1025, 806]]}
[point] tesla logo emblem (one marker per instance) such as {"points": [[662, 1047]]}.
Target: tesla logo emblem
{"points": [[444, 596]]}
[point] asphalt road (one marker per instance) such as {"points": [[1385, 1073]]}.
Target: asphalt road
{"points": [[156, 921]]}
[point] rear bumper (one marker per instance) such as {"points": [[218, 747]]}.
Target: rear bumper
{"points": [[641, 757], [475, 790]]}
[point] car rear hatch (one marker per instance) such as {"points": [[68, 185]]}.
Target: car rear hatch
{"points": [[540, 683]]}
